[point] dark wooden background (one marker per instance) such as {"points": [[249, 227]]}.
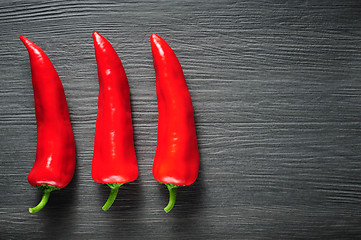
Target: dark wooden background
{"points": [[276, 90]]}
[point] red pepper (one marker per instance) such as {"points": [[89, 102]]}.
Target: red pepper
{"points": [[55, 154], [114, 160], [176, 160]]}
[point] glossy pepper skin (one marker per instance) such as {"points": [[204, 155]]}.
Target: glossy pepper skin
{"points": [[176, 160], [55, 154], [114, 159]]}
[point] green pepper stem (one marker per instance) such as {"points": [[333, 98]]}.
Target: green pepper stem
{"points": [[172, 196], [47, 189], [42, 203], [113, 194]]}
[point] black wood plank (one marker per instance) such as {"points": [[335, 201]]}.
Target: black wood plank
{"points": [[276, 91]]}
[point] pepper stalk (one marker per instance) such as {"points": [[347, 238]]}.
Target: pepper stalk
{"points": [[172, 196], [47, 189], [113, 195]]}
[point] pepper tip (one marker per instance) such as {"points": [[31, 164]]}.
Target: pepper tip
{"points": [[154, 37], [28, 44], [23, 39], [98, 38]]}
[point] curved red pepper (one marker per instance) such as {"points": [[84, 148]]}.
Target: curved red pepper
{"points": [[114, 159], [176, 160], [55, 154]]}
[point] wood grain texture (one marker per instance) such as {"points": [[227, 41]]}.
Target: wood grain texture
{"points": [[276, 91]]}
